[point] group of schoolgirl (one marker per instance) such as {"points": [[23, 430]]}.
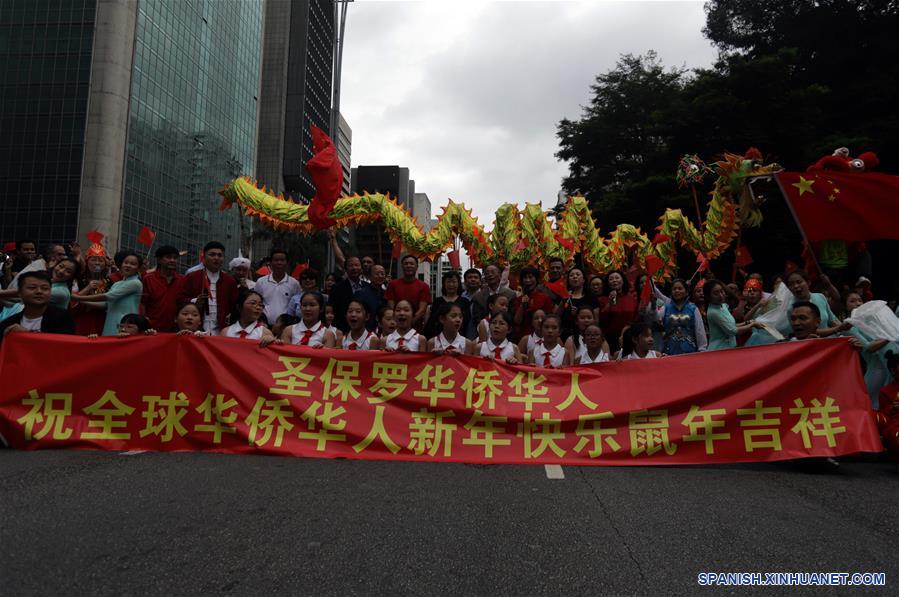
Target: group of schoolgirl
{"points": [[543, 347]]}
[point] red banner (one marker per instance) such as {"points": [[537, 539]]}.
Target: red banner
{"points": [[169, 393]]}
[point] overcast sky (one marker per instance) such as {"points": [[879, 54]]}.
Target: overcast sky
{"points": [[467, 95]]}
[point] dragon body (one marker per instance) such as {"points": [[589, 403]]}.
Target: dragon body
{"points": [[526, 236]]}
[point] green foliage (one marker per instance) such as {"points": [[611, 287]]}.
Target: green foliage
{"points": [[795, 78]]}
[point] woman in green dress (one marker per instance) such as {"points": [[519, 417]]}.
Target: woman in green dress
{"points": [[723, 329]]}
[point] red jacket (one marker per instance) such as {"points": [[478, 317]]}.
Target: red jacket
{"points": [[193, 285], [160, 299]]}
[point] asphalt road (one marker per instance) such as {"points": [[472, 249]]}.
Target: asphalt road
{"points": [[96, 523]]}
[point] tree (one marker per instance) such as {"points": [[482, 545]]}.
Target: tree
{"points": [[796, 78], [619, 152]]}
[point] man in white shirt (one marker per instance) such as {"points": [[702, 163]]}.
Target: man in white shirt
{"points": [[277, 287]]}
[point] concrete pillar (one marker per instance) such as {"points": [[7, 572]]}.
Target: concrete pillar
{"points": [[106, 131]]}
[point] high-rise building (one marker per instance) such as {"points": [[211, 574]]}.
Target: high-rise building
{"points": [[296, 92], [344, 143], [124, 114], [372, 239]]}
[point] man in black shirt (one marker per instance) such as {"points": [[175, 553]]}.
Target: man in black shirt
{"points": [[38, 315]]}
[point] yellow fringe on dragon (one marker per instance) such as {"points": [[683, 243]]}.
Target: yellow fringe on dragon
{"points": [[523, 237]]}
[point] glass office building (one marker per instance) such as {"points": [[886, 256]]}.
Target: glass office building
{"points": [[192, 118], [186, 74], [45, 62]]}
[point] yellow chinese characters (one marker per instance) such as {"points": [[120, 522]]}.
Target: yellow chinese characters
{"points": [[215, 419], [825, 423], [390, 381], [163, 416], [341, 380], [428, 432], [49, 412], [107, 414], [323, 427], [480, 386], [293, 381], [435, 383]]}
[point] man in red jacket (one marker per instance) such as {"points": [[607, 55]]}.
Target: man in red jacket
{"points": [[213, 291], [161, 287]]}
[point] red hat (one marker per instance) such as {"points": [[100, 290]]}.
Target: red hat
{"points": [[95, 250], [753, 283]]}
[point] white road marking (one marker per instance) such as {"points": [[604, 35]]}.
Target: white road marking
{"points": [[554, 471], [132, 452]]}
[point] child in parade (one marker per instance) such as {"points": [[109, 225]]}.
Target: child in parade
{"points": [[386, 322], [329, 317], [497, 347], [637, 343], [404, 338], [527, 344], [131, 324], [596, 348], [551, 353], [189, 320], [450, 340], [496, 303], [575, 347], [311, 329], [283, 321], [357, 337], [250, 307]]}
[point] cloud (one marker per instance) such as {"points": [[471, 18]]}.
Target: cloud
{"points": [[468, 95]]}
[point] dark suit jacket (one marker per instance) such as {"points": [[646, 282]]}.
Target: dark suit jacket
{"points": [[192, 286], [55, 321], [339, 298], [479, 308]]}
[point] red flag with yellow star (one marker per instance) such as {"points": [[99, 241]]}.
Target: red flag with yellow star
{"points": [[850, 206]]}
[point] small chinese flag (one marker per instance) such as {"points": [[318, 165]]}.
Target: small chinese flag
{"points": [[263, 271], [95, 236], [702, 261], [743, 258], [397, 250], [146, 236], [299, 269]]}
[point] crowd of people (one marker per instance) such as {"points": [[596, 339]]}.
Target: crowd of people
{"points": [[568, 317]]}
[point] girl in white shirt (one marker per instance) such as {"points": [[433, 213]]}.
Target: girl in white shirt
{"points": [[357, 338], [311, 330], [551, 353], [497, 347], [637, 343], [596, 349], [496, 303], [449, 340], [527, 344], [575, 345], [404, 338], [250, 307]]}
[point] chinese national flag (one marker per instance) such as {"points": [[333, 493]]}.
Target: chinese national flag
{"points": [[743, 258], [146, 236], [397, 250], [327, 174], [850, 206]]}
